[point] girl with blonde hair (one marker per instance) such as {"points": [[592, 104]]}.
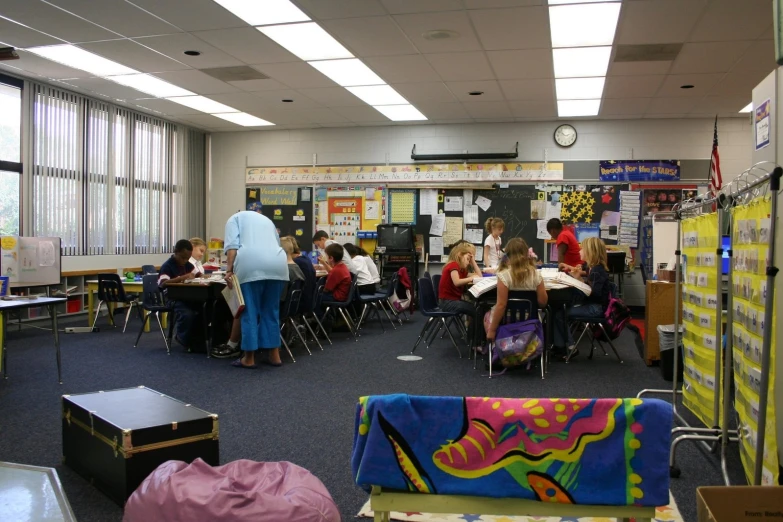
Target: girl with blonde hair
{"points": [[454, 279], [492, 251], [199, 249]]}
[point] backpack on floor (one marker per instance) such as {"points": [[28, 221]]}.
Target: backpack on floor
{"points": [[616, 317], [517, 343]]}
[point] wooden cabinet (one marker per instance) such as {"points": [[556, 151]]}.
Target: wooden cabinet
{"points": [[659, 309]]}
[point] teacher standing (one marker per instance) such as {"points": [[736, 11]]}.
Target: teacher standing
{"points": [[255, 257]]}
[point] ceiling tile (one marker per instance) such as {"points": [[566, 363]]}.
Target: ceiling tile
{"points": [[192, 15], [658, 21], [117, 15], [671, 105], [760, 56], [487, 109], [51, 20], [175, 45], [242, 101], [721, 105], [733, 20], [737, 84], [328, 9], [624, 106], [247, 44], [373, 36], [417, 6], [130, 53], [490, 88], [632, 86], [519, 28], [702, 84], [210, 121], [415, 25], [197, 82], [442, 111], [275, 98], [16, 35], [332, 97], [528, 89], [166, 107], [297, 75], [108, 88], [461, 66], [403, 69], [533, 109], [35, 64], [282, 117], [258, 85], [514, 65], [361, 114], [709, 57], [424, 92], [323, 115], [489, 4], [638, 68]]}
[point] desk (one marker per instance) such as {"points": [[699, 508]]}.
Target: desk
{"points": [[133, 287], [206, 294], [48, 302]]}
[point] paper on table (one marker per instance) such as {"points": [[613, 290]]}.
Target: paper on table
{"points": [[468, 195], [46, 253], [438, 225], [436, 246], [453, 230], [474, 235], [471, 215], [553, 210], [372, 209], [541, 231], [452, 204], [483, 202], [429, 202]]}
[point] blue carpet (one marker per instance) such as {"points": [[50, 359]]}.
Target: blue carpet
{"points": [[302, 412]]}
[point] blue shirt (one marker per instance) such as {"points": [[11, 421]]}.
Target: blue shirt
{"points": [[259, 256], [171, 269]]}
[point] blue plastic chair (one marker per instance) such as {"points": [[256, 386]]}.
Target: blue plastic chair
{"points": [[288, 309], [154, 303], [342, 307], [435, 316]]}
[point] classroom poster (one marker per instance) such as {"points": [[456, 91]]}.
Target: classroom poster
{"points": [[639, 170], [762, 122]]}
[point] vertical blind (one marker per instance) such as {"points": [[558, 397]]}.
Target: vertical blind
{"points": [[108, 180]]}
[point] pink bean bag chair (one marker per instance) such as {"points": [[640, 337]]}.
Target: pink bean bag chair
{"points": [[237, 491]]}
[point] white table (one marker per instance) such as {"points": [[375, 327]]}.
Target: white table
{"points": [[19, 304]]}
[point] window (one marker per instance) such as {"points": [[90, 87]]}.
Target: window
{"points": [[10, 154]]}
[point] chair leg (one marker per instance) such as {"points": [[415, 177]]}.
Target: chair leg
{"points": [[421, 334], [346, 317], [385, 311], [282, 340], [127, 316], [321, 326], [433, 334], [160, 325], [362, 316], [378, 315], [299, 334], [489, 351], [97, 313], [451, 337], [611, 344], [307, 325], [143, 326]]}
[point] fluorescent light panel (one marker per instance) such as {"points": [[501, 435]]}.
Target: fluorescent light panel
{"points": [[581, 62], [747, 108], [80, 59], [400, 112], [348, 73], [244, 119], [266, 12], [308, 41], [200, 103], [378, 95], [579, 88], [572, 108], [150, 85], [583, 25]]}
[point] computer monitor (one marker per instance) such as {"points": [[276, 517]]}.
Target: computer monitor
{"points": [[396, 238], [725, 245]]}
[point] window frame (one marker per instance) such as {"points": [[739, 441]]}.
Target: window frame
{"points": [[14, 166]]}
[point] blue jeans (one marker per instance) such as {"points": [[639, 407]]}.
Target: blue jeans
{"points": [[468, 309], [184, 321], [585, 312], [261, 319]]}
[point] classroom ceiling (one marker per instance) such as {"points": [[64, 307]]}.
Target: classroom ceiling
{"points": [[502, 48]]}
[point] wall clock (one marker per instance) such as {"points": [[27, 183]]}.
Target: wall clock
{"points": [[565, 135]]}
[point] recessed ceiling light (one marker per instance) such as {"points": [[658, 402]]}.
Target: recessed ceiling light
{"points": [[287, 100], [579, 88], [244, 119], [686, 86], [571, 108], [583, 25], [348, 73], [440, 34], [581, 62], [80, 59], [192, 53], [200, 103], [265, 13], [151, 85], [378, 95], [475, 93], [747, 108], [400, 112], [308, 41]]}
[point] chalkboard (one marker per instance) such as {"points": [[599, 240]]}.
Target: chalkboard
{"points": [[512, 205], [289, 208]]}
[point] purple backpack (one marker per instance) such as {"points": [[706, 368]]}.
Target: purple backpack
{"points": [[617, 315], [518, 343]]}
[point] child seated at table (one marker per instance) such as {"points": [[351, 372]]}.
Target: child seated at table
{"points": [[593, 306], [199, 249], [366, 271], [517, 272], [308, 270], [178, 269], [294, 272], [453, 281], [338, 282]]}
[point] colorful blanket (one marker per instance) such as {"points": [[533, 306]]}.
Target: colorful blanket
{"points": [[580, 451]]}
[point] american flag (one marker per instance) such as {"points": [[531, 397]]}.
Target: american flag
{"points": [[716, 181]]}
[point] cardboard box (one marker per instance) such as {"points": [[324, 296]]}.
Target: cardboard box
{"points": [[667, 275], [739, 504]]}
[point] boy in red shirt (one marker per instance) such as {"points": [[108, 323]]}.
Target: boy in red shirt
{"points": [[338, 282], [567, 246]]}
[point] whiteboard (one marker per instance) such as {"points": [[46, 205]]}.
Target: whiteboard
{"points": [[30, 261]]}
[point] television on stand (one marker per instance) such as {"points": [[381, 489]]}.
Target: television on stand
{"points": [[395, 238]]}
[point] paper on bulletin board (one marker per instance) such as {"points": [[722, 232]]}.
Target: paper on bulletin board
{"points": [[473, 235], [402, 207], [479, 254], [429, 202], [541, 231], [537, 209], [438, 225], [436, 246], [468, 195], [46, 256], [470, 213], [372, 209], [453, 204], [369, 193], [483, 202], [453, 231], [553, 210]]}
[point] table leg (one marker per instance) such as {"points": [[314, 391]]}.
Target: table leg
{"points": [[90, 305], [3, 332], [205, 322], [53, 313]]}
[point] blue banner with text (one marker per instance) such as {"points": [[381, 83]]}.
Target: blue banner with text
{"points": [[641, 170]]}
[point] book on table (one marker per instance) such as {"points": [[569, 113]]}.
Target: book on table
{"points": [[233, 295], [552, 278], [483, 285]]}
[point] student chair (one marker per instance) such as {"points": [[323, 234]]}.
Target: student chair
{"points": [[343, 308], [588, 325], [435, 316], [110, 290], [304, 311], [154, 303], [375, 303], [522, 305], [436, 284], [148, 269], [616, 263], [289, 308], [316, 305]]}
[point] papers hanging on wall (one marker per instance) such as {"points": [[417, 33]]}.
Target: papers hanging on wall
{"points": [[438, 225], [483, 202], [452, 204], [628, 231], [453, 231], [468, 195], [537, 209], [553, 211], [541, 231], [372, 209], [474, 235], [436, 246], [471, 215], [429, 202]]}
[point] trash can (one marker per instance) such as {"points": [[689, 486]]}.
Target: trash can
{"points": [[666, 346]]}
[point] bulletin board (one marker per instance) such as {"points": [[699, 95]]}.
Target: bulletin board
{"points": [[289, 208], [344, 211], [30, 261]]}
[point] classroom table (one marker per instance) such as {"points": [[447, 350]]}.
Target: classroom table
{"points": [[19, 304], [132, 287], [204, 293]]}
